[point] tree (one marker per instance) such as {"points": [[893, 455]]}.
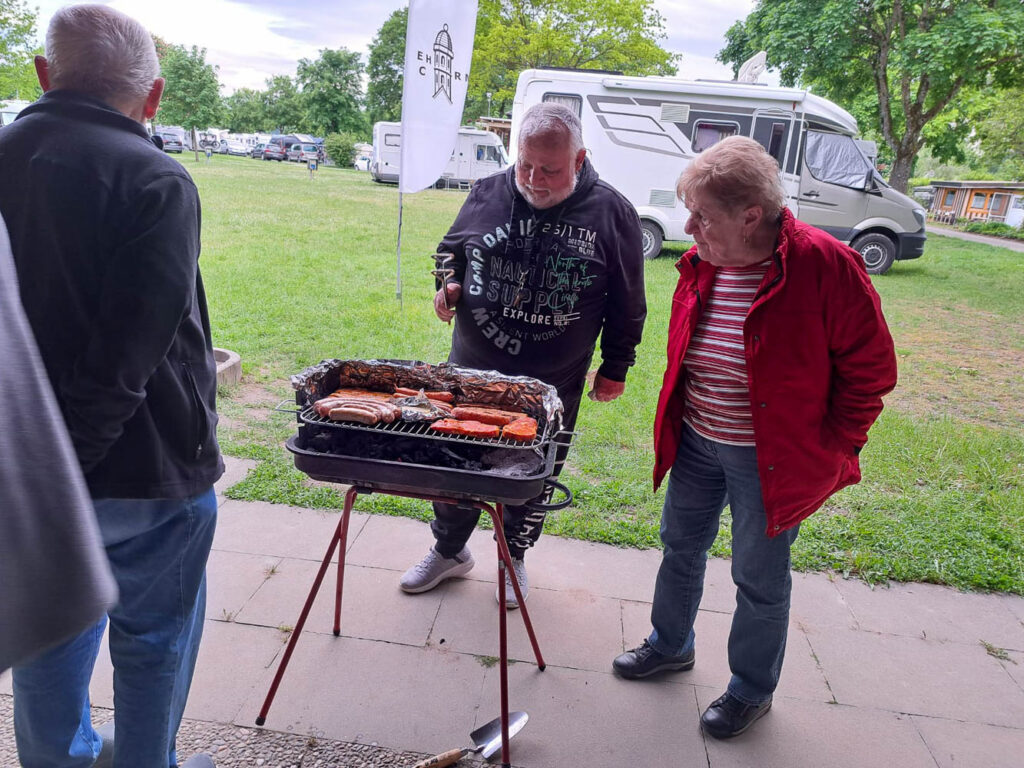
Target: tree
{"points": [[332, 89], [17, 49], [899, 65], [386, 69], [192, 93], [285, 109], [513, 35], [246, 111], [341, 148], [999, 128]]}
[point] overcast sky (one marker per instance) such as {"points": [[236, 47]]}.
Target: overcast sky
{"points": [[254, 39]]}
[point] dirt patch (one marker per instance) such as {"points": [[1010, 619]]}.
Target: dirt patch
{"points": [[962, 364]]}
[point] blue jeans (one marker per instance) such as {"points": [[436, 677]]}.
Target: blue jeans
{"points": [[705, 477], [158, 550]]}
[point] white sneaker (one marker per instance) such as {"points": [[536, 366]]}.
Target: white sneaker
{"points": [[524, 585], [433, 569]]}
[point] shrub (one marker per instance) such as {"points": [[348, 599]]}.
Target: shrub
{"points": [[996, 228], [340, 147]]}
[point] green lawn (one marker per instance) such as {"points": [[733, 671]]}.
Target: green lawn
{"points": [[301, 269]]}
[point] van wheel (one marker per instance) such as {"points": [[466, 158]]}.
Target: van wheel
{"points": [[651, 239], [877, 250]]}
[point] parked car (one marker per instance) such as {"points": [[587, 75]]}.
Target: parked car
{"points": [[172, 143], [236, 147], [274, 151], [301, 153], [257, 151]]}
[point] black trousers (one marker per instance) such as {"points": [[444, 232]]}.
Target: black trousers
{"points": [[453, 525]]}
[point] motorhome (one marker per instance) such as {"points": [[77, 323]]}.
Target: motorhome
{"points": [[477, 154], [641, 132]]}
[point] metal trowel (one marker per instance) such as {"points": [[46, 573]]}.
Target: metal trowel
{"points": [[486, 738]]}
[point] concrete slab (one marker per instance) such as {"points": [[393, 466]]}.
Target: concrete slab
{"points": [[574, 628], [372, 692], [259, 528], [933, 613], [804, 734], [235, 471], [915, 676], [1015, 667], [582, 718], [801, 675], [954, 744], [232, 578], [372, 605], [391, 542], [818, 602], [233, 660]]}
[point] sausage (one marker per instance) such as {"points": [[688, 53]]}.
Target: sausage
{"points": [[445, 397], [354, 413], [487, 415]]}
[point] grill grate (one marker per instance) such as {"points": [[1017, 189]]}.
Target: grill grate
{"points": [[422, 429]]}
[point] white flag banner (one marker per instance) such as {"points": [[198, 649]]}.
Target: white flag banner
{"points": [[438, 52]]}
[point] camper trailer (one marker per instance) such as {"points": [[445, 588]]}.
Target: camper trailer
{"points": [[477, 154], [641, 132]]}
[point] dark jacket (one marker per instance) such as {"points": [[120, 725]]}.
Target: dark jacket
{"points": [[819, 359], [105, 233], [577, 269]]}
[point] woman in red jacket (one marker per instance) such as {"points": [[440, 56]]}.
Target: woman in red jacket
{"points": [[778, 359]]}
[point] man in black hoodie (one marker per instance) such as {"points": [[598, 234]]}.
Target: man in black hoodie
{"points": [[546, 257], [104, 230]]}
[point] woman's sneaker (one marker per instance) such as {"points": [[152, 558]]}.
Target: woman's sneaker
{"points": [[433, 569]]}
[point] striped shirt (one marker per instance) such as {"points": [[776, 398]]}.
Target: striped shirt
{"points": [[717, 394]]}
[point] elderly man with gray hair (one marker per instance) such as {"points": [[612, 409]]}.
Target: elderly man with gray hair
{"points": [[546, 258], [104, 230]]}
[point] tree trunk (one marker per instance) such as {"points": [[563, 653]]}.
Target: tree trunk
{"points": [[902, 164]]}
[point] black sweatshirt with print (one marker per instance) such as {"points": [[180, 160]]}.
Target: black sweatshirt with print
{"points": [[539, 286]]}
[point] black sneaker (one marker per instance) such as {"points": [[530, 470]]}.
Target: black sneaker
{"points": [[644, 661], [728, 716]]}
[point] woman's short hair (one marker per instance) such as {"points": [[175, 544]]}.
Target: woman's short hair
{"points": [[95, 50], [550, 117], [736, 172]]}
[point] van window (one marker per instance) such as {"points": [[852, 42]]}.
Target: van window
{"points": [[707, 133], [570, 100], [391, 139], [775, 142], [835, 159], [487, 153]]}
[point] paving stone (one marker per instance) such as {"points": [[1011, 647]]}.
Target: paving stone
{"points": [[260, 528], [232, 578], [801, 675], [933, 613], [372, 692], [372, 605], [573, 628], [954, 744], [817, 601], [804, 734], [583, 718], [915, 676]]}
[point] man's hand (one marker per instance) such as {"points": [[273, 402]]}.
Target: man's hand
{"points": [[443, 301], [605, 390]]}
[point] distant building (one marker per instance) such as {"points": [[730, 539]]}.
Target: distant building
{"points": [[975, 200]]}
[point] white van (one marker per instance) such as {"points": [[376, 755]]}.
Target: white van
{"points": [[642, 131], [10, 109], [477, 154]]}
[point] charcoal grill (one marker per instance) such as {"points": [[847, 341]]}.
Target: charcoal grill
{"points": [[408, 459]]}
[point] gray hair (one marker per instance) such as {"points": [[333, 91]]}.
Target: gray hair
{"points": [[95, 50], [550, 117], [737, 172]]}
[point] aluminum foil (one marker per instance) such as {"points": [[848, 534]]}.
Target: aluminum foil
{"points": [[468, 385]]}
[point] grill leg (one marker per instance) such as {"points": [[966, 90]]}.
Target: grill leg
{"points": [[505, 565], [340, 533], [350, 498]]}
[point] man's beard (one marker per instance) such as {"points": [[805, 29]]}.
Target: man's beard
{"points": [[548, 202]]}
